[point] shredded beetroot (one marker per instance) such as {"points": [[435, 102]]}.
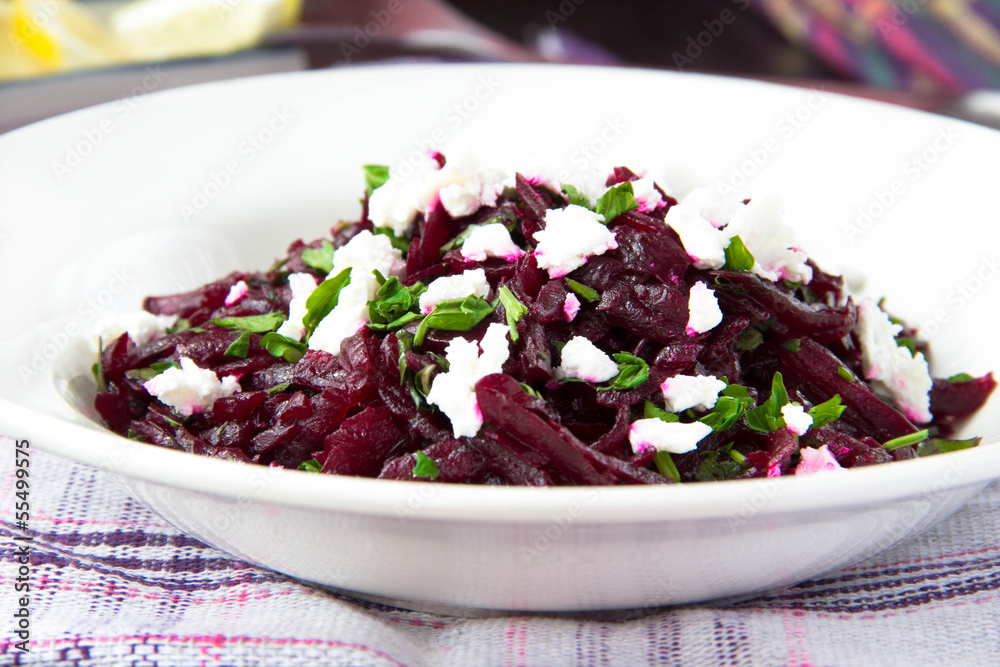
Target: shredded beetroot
{"points": [[365, 411]]}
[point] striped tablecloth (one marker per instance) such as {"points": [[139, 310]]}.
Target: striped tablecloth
{"points": [[113, 584]]}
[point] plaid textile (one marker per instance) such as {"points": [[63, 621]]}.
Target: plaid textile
{"points": [[113, 584], [938, 45]]}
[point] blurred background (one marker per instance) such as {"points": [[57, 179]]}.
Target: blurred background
{"points": [[939, 55]]}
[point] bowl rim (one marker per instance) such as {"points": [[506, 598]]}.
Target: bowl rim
{"points": [[419, 501]]}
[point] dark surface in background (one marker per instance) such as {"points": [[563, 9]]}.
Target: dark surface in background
{"points": [[649, 32]]}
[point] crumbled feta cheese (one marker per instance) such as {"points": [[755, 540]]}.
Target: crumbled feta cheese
{"points": [[236, 293], [571, 307], [469, 283], [462, 187], [715, 203], [760, 225], [141, 327], [906, 377], [796, 418], [681, 392], [703, 243], [673, 437], [454, 392], [571, 236], [582, 360], [677, 180], [703, 309], [646, 195], [302, 285], [492, 240], [190, 389], [363, 254], [816, 460]]}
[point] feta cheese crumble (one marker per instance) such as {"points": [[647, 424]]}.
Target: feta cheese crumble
{"points": [[582, 360], [236, 293], [462, 186], [468, 283], [646, 195], [454, 392], [492, 240], [571, 236], [190, 389], [760, 225], [673, 437], [796, 418], [142, 327], [816, 460], [681, 392], [704, 313], [363, 254], [302, 285], [704, 244], [906, 377], [571, 307], [714, 203]]}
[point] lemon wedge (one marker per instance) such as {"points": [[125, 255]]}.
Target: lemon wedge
{"points": [[43, 36], [162, 29]]}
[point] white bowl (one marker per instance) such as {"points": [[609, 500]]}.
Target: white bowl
{"points": [[162, 193]]}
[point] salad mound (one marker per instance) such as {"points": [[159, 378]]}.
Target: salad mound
{"points": [[476, 326]]}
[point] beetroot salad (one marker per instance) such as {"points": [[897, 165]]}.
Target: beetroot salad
{"points": [[479, 326]]}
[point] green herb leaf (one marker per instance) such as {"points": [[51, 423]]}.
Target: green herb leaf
{"points": [[767, 417], [846, 374], [712, 469], [454, 315], [312, 465], [666, 466], [425, 467], [576, 197], [252, 323], [320, 258], [179, 325], [324, 299], [937, 446], [736, 456], [515, 310], [909, 344], [239, 347], [749, 339], [588, 294], [738, 258], [632, 371], [530, 391], [906, 440], [375, 176], [400, 243], [961, 377], [650, 411], [617, 200], [278, 388], [287, 348], [161, 366], [826, 412], [792, 345], [141, 374], [394, 305]]}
